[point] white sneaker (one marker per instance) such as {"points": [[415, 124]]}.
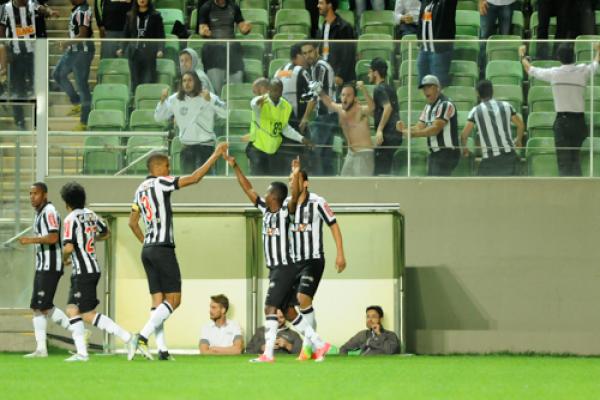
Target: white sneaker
{"points": [[77, 357], [37, 354]]}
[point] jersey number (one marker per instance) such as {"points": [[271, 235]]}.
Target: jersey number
{"points": [[89, 246], [146, 204], [277, 128]]}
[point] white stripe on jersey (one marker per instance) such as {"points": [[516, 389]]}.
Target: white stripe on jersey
{"points": [[275, 233], [47, 257], [81, 228]]}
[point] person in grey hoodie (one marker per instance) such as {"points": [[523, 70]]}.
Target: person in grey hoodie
{"points": [[194, 109], [189, 61]]}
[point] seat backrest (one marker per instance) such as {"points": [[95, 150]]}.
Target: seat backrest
{"points": [[237, 91], [275, 64], [540, 124], [111, 96], [143, 120], [101, 155], [541, 157], [463, 73], [147, 95], [106, 120], [540, 99], [464, 98], [292, 20], [114, 70], [377, 21], [166, 71], [467, 22], [504, 72], [510, 93], [259, 18]]}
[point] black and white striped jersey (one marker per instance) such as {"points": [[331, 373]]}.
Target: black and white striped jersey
{"points": [[153, 200], [306, 227], [19, 23], [323, 72], [443, 109], [275, 233], [81, 228], [492, 118], [48, 257]]}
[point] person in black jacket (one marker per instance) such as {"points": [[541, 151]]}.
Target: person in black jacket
{"points": [[111, 17], [341, 56], [437, 21], [143, 22]]}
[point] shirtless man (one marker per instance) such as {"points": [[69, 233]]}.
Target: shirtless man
{"points": [[354, 121]]}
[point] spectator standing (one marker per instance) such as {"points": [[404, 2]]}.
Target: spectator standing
{"points": [[217, 20], [361, 5], [77, 59], [143, 22], [221, 336], [375, 340], [495, 17], [111, 16], [438, 123], [287, 341], [194, 109], [189, 61], [568, 88], [493, 119], [406, 15], [437, 21], [40, 19]]}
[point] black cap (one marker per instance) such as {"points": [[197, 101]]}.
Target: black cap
{"points": [[379, 65]]}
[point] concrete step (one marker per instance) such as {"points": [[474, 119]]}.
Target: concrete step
{"points": [[62, 123], [59, 23]]}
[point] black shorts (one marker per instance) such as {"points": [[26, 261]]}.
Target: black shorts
{"points": [[44, 288], [309, 276], [83, 292], [162, 269], [281, 286]]}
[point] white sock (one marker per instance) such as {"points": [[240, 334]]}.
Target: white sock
{"points": [[59, 317], [108, 325], [302, 326], [271, 325], [308, 314], [160, 315], [78, 331], [40, 324], [159, 335]]}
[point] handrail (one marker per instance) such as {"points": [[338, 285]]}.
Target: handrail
{"points": [[14, 238], [107, 133], [140, 158]]}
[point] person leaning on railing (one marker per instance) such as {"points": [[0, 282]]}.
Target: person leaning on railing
{"points": [[568, 88]]}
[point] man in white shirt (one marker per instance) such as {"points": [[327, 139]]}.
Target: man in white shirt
{"points": [[406, 15], [221, 336], [568, 88]]}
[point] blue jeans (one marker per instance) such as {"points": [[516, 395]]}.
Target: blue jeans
{"points": [[438, 64], [77, 62], [322, 131], [500, 16]]}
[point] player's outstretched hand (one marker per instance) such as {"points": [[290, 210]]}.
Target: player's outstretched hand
{"points": [[522, 51], [221, 148], [296, 165]]}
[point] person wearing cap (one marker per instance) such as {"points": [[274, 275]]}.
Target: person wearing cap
{"points": [[375, 340], [568, 88], [385, 115], [438, 123]]}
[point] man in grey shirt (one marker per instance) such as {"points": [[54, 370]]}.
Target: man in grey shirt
{"points": [[287, 342], [375, 340]]}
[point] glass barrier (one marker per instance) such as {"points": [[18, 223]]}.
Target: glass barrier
{"points": [[138, 87]]}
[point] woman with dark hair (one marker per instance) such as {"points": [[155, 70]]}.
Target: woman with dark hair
{"points": [[143, 22], [194, 109]]}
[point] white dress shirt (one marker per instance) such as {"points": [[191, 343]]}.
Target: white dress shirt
{"points": [[407, 7]]}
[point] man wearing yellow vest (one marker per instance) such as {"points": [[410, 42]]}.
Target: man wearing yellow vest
{"points": [[270, 116]]}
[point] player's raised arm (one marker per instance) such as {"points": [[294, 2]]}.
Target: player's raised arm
{"points": [[198, 174], [295, 185], [244, 182]]}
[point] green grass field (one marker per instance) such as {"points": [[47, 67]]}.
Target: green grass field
{"points": [[193, 377]]}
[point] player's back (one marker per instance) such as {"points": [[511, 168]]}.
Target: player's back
{"points": [[82, 226]]}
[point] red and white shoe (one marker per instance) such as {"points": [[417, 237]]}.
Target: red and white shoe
{"points": [[263, 359], [319, 354]]}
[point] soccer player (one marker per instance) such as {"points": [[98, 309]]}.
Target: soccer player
{"points": [[48, 266], [82, 229], [306, 236], [279, 260], [152, 201]]}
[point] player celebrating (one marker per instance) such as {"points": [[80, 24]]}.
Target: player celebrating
{"points": [[48, 266], [82, 229], [306, 236], [153, 201], [278, 257]]}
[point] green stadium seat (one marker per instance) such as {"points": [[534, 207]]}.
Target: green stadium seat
{"points": [[596, 130], [503, 72], [541, 157], [239, 122], [111, 96], [101, 155], [405, 46], [193, 21], [466, 47], [540, 99], [461, 119], [361, 98], [106, 120], [584, 47], [172, 48], [361, 68], [143, 120], [585, 158], [497, 49], [467, 22], [114, 70], [466, 5], [169, 16], [138, 146], [260, 4], [147, 95], [259, 18], [371, 45], [253, 69], [175, 153], [518, 23], [292, 21], [196, 42], [275, 64], [240, 95], [419, 151], [414, 115], [542, 64], [534, 22], [293, 4], [346, 15], [407, 77], [237, 149], [166, 71], [377, 22], [280, 46], [540, 124], [463, 73], [510, 93], [176, 4], [464, 98], [253, 45], [417, 99]]}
